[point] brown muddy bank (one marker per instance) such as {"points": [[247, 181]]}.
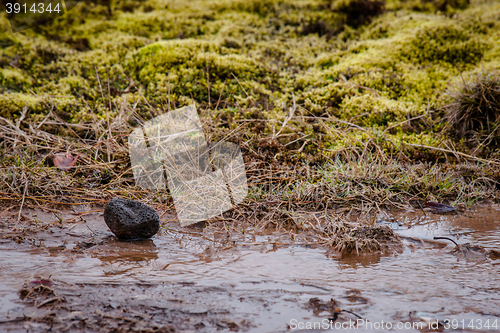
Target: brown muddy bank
{"points": [[195, 279]]}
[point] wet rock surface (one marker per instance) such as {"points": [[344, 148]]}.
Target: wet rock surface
{"points": [[130, 219]]}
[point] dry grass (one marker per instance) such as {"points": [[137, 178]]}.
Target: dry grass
{"points": [[349, 238], [103, 169], [474, 114], [291, 190]]}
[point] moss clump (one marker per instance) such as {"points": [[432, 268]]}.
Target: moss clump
{"points": [[13, 79], [260, 7], [373, 111], [194, 67], [447, 6], [445, 44], [11, 104]]}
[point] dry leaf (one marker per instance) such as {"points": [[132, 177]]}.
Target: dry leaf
{"points": [[64, 161], [440, 208]]}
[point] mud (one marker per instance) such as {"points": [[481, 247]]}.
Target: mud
{"points": [[66, 272]]}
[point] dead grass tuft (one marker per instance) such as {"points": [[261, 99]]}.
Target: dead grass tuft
{"points": [[474, 114], [349, 238]]}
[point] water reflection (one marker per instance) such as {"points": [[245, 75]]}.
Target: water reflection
{"points": [[420, 278], [478, 226], [355, 261], [132, 252]]}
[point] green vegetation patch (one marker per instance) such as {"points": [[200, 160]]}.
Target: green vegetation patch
{"points": [[296, 83], [445, 43], [186, 68]]}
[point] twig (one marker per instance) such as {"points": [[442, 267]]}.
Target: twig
{"points": [[50, 300], [291, 112], [358, 86], [453, 152], [208, 83], [56, 116], [104, 102], [344, 310], [6, 210], [220, 95], [447, 238], [406, 121], [169, 90], [337, 121], [22, 202], [251, 100], [92, 231], [23, 318], [109, 92], [422, 208]]}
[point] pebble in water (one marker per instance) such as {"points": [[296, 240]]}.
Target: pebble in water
{"points": [[130, 219]]}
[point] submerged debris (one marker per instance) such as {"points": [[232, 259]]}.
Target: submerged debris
{"points": [[394, 225], [332, 306], [318, 306], [37, 287], [468, 249], [347, 238], [428, 318], [440, 208], [494, 254], [39, 291]]}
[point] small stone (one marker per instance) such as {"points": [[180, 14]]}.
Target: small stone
{"points": [[130, 219]]}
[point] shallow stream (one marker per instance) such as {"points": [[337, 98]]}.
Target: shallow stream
{"points": [[269, 287]]}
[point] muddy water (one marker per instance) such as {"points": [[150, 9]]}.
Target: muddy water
{"points": [[269, 287]]}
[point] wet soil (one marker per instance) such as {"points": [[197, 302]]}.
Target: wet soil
{"points": [[66, 272]]}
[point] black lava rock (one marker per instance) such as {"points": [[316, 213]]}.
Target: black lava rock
{"points": [[130, 219]]}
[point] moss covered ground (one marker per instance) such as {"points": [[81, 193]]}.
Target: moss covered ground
{"points": [[335, 103]]}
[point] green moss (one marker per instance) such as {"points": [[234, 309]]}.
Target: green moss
{"points": [[444, 43], [375, 70], [13, 79], [259, 7], [73, 84], [11, 104], [192, 64], [448, 6], [372, 111]]}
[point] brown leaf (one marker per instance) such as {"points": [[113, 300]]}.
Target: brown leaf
{"points": [[64, 161], [440, 208]]}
